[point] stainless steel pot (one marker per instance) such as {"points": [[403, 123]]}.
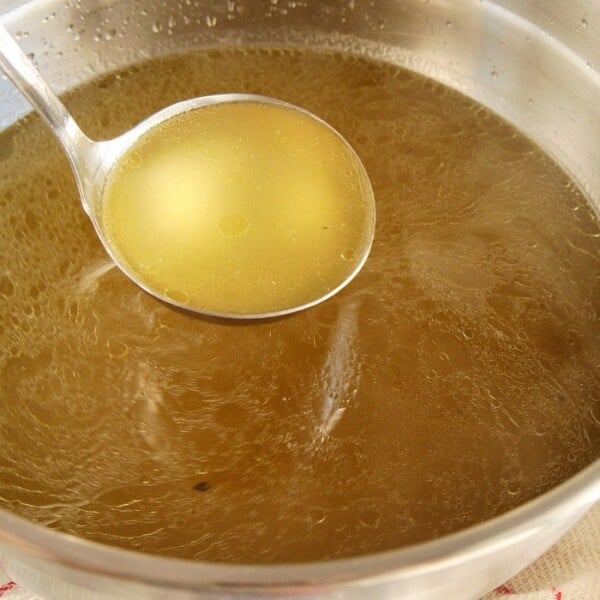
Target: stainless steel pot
{"points": [[535, 63]]}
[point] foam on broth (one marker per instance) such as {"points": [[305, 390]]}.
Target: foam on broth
{"points": [[455, 378]]}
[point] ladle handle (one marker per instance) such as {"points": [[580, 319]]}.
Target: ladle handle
{"points": [[21, 71]]}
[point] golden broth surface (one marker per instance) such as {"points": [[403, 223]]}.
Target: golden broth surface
{"points": [[456, 377], [241, 208]]}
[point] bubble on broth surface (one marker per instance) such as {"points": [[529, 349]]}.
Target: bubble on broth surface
{"points": [[454, 379]]}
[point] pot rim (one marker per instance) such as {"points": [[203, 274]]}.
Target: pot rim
{"points": [[568, 498]]}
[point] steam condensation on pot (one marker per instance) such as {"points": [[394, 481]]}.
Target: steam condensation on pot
{"points": [[454, 379]]}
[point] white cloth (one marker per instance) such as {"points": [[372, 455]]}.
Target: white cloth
{"points": [[568, 571]]}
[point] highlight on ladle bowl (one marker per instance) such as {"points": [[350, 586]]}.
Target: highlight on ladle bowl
{"points": [[249, 208]]}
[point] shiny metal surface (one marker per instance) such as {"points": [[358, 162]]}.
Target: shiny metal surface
{"points": [[535, 63]]}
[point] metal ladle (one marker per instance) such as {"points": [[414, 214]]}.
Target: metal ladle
{"points": [[92, 161]]}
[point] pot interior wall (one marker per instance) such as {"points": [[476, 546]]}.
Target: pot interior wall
{"points": [[535, 64]]}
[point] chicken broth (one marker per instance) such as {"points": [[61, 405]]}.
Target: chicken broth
{"points": [[455, 378]]}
